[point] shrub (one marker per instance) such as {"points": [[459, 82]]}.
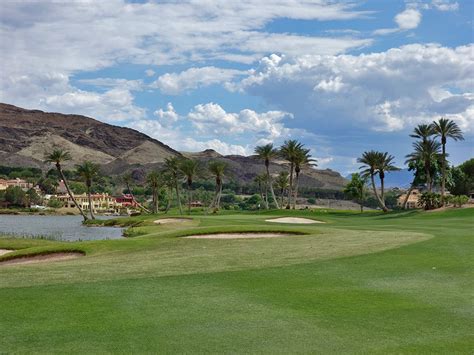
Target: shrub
{"points": [[55, 203], [430, 200], [460, 200]]}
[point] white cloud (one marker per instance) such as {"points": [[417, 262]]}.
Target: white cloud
{"points": [[408, 19], [167, 117], [212, 118], [149, 72], [444, 5], [192, 145], [193, 78], [386, 91]]}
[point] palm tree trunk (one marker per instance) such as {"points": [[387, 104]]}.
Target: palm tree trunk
{"points": [[382, 188], [381, 203], [428, 177], [405, 201], [178, 197], [91, 207], [170, 196], [266, 196], [290, 188], [282, 196], [134, 200], [157, 202], [60, 171], [297, 178], [443, 173], [219, 196], [269, 179], [189, 198]]}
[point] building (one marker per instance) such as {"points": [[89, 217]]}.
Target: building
{"points": [[412, 199], [100, 202], [23, 184], [126, 201]]}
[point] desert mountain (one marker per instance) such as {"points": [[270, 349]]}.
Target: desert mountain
{"points": [[25, 136]]}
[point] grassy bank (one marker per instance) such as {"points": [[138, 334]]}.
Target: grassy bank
{"points": [[363, 283]]}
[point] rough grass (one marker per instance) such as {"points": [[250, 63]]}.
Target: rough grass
{"points": [[370, 283]]}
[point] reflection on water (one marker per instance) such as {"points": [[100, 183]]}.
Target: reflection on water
{"points": [[67, 228]]}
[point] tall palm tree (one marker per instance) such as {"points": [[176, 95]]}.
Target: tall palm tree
{"points": [[288, 151], [88, 171], [282, 183], [445, 129], [127, 179], [57, 157], [217, 168], [260, 180], [190, 169], [370, 161], [385, 164], [423, 132], [155, 180], [302, 158], [268, 152], [174, 173], [427, 152]]}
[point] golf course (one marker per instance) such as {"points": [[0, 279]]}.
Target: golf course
{"points": [[399, 282]]}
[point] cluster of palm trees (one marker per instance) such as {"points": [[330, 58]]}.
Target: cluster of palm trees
{"points": [[87, 171], [428, 153], [298, 157]]}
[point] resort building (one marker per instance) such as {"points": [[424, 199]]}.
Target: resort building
{"points": [[412, 199], [100, 202], [23, 184], [126, 201]]}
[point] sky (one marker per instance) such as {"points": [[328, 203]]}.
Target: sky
{"points": [[342, 77]]}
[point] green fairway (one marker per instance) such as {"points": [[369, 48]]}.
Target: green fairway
{"points": [[359, 283]]}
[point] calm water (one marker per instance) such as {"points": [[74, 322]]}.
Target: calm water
{"points": [[68, 228]]}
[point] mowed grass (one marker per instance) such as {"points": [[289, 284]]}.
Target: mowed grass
{"points": [[370, 283]]}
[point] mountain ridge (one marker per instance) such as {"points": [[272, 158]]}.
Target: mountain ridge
{"points": [[26, 135]]}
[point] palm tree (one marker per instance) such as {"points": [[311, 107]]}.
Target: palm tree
{"points": [[282, 183], [267, 152], [127, 180], [423, 132], [417, 167], [385, 164], [426, 152], [371, 162], [260, 180], [445, 129], [155, 181], [357, 189], [190, 169], [217, 169], [174, 173], [288, 151], [302, 158], [57, 157], [88, 171]]}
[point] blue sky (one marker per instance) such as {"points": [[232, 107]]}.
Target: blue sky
{"points": [[342, 77]]}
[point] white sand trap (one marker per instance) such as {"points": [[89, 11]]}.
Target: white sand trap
{"points": [[172, 220], [239, 235], [294, 220], [5, 251], [42, 258]]}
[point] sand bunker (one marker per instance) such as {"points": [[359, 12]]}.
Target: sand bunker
{"points": [[33, 259], [5, 251], [294, 220], [172, 220], [239, 235]]}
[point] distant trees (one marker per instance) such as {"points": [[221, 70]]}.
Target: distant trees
{"points": [[371, 161], [173, 173], [190, 169], [267, 153], [444, 129], [282, 182], [154, 180], [356, 189], [218, 170], [88, 171], [57, 157]]}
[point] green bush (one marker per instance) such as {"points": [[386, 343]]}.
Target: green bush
{"points": [[430, 200], [459, 201], [55, 203]]}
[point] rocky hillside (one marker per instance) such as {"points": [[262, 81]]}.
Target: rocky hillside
{"points": [[25, 136]]}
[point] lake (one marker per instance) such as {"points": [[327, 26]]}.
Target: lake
{"points": [[67, 228]]}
